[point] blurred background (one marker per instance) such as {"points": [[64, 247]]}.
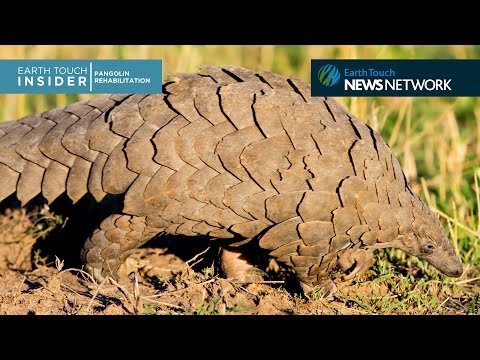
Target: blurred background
{"points": [[435, 138]]}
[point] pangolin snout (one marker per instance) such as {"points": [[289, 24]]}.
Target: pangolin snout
{"points": [[455, 271], [452, 267]]}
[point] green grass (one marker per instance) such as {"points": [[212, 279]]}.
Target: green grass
{"points": [[475, 305], [435, 139]]}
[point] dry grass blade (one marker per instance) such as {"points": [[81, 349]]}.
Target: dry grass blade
{"points": [[180, 290], [396, 129], [467, 280], [426, 192], [443, 303], [130, 296], [459, 224], [455, 230], [70, 289], [83, 272], [124, 291], [189, 262], [97, 290], [163, 303]]}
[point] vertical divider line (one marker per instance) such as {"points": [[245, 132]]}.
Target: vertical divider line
{"points": [[91, 77]]}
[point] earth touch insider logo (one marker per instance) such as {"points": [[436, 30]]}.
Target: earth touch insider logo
{"points": [[328, 75], [81, 76]]}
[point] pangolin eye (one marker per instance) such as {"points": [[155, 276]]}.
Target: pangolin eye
{"points": [[429, 248]]}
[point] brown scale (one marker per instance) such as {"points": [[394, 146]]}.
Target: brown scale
{"points": [[31, 120], [218, 74], [264, 171], [255, 204], [242, 73], [232, 146], [296, 176], [203, 228], [304, 89], [197, 182], [217, 186], [188, 136], [95, 177], [175, 187], [102, 103], [51, 145], [287, 250], [74, 140], [28, 147], [300, 122], [191, 208], [133, 204], [181, 96], [164, 139], [116, 177], [9, 181], [155, 111], [54, 181], [125, 118], [281, 234], [237, 100], [206, 144], [227, 218], [249, 229], [269, 111], [30, 182], [100, 138], [140, 151], [233, 198], [283, 206], [8, 156], [276, 81], [152, 195], [339, 168], [79, 109], [318, 206], [206, 104], [77, 182]]}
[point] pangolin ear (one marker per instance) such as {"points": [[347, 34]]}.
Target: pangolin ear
{"points": [[407, 240]]}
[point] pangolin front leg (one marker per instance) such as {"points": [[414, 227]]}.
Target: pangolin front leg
{"points": [[358, 261], [110, 245]]}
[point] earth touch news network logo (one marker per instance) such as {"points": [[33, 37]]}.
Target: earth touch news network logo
{"points": [[372, 77], [328, 75]]}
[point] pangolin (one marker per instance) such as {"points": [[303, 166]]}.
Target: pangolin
{"points": [[235, 155]]}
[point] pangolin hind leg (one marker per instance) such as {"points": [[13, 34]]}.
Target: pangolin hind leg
{"points": [[236, 265], [112, 242]]}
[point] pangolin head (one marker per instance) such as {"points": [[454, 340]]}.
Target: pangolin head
{"points": [[427, 240]]}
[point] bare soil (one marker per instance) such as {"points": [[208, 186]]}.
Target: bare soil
{"points": [[158, 281]]}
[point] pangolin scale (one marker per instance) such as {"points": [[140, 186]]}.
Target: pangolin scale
{"points": [[232, 154]]}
